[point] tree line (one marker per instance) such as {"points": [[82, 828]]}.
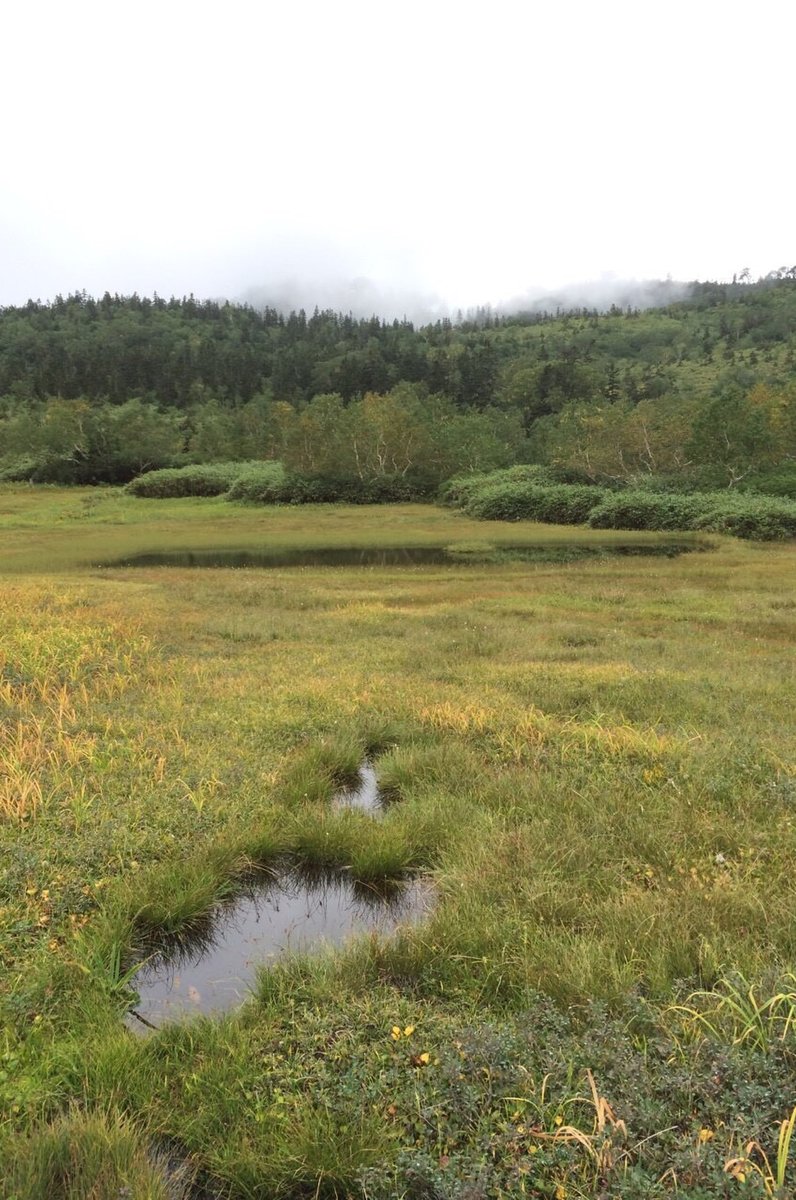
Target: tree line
{"points": [[100, 390]]}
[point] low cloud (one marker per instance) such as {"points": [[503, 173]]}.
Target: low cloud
{"points": [[365, 297]]}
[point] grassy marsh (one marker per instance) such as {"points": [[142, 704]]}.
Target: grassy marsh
{"points": [[595, 763]]}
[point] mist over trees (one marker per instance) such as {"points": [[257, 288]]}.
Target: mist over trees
{"points": [[701, 389]]}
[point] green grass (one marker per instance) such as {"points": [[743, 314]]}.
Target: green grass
{"points": [[594, 763], [50, 529]]}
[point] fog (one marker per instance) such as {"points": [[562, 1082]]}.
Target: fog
{"points": [[364, 297], [405, 162]]}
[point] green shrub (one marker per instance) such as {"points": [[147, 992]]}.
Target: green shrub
{"points": [[757, 518], [294, 487], [557, 504], [781, 482], [646, 510], [761, 518], [461, 488], [201, 479], [259, 483]]}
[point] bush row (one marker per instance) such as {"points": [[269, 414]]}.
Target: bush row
{"points": [[292, 487], [269, 483], [498, 498], [760, 518]]}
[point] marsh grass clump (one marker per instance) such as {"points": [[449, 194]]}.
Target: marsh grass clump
{"points": [[439, 766], [313, 772], [95, 1156], [743, 1011]]}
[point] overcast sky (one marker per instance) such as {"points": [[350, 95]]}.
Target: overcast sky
{"points": [[415, 154]]}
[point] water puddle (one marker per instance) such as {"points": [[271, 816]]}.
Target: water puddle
{"points": [[291, 913], [403, 556], [363, 794]]}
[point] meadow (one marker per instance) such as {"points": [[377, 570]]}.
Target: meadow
{"points": [[592, 761]]}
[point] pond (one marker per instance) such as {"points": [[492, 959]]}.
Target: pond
{"points": [[290, 912], [403, 556]]}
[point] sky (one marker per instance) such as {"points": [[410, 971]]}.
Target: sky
{"points": [[398, 158]]}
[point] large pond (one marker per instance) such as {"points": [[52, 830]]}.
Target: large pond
{"points": [[290, 912], [403, 556]]}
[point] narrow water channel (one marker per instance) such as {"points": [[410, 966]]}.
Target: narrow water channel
{"points": [[362, 794]]}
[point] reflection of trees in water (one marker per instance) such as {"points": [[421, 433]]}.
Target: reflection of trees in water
{"points": [[213, 967], [397, 556]]}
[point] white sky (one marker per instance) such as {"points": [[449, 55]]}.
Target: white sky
{"points": [[470, 152]]}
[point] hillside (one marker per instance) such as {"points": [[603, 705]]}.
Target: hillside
{"points": [[94, 390]]}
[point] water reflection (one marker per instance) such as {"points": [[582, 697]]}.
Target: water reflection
{"points": [[363, 794], [402, 556], [216, 971]]}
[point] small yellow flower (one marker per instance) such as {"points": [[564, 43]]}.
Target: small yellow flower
{"points": [[705, 1135], [409, 1030], [559, 1120], [561, 1192], [425, 1057], [395, 1032]]}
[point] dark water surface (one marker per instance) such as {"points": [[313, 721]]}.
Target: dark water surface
{"points": [[364, 794], [401, 556], [290, 913]]}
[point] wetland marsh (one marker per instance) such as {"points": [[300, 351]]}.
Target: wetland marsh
{"points": [[591, 761]]}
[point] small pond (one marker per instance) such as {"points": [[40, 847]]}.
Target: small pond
{"points": [[404, 556], [291, 912]]}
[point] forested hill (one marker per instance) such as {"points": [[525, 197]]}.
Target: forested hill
{"points": [[569, 381]]}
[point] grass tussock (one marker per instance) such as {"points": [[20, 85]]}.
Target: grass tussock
{"points": [[94, 1156]]}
